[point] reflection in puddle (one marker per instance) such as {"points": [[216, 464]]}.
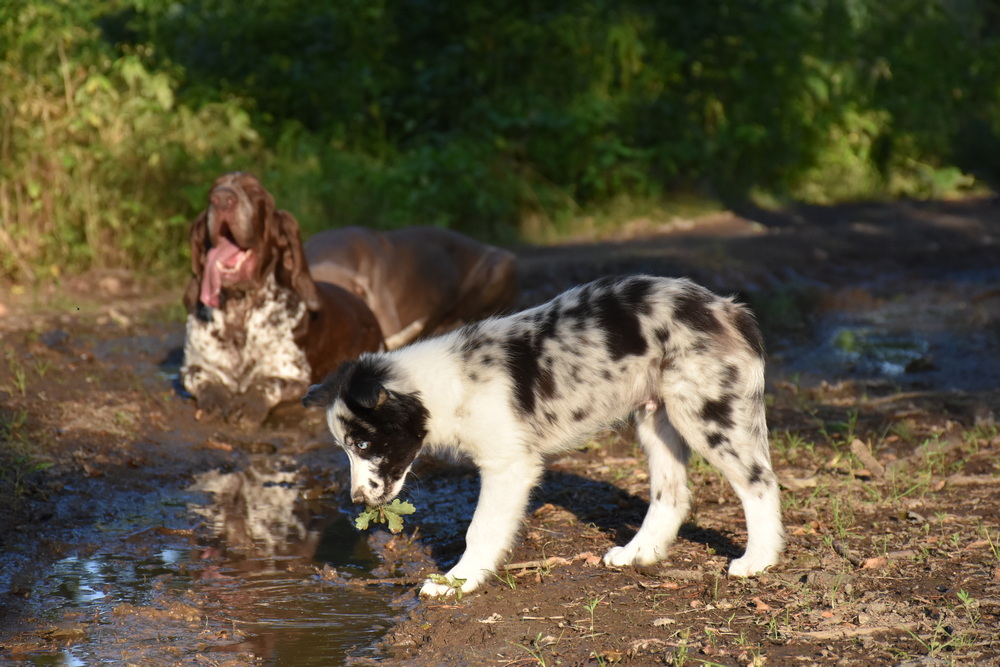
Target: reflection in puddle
{"points": [[260, 572], [258, 512], [878, 353]]}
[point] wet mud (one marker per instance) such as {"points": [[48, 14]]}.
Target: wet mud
{"points": [[131, 532]]}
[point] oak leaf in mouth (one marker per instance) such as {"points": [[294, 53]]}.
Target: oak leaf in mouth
{"points": [[391, 514]]}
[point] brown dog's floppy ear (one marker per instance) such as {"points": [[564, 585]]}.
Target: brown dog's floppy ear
{"points": [[293, 270], [199, 248]]}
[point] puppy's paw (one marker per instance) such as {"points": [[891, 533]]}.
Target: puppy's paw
{"points": [[633, 554], [432, 589], [748, 565], [445, 585], [620, 556]]}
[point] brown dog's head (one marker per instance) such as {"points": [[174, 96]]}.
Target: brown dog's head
{"points": [[240, 239]]}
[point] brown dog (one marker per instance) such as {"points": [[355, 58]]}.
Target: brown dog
{"points": [[259, 328], [419, 281]]}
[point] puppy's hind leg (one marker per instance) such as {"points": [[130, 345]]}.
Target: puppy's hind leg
{"points": [[739, 449], [669, 496], [503, 497]]}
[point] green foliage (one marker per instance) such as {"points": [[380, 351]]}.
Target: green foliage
{"points": [[391, 514], [479, 115], [97, 158]]}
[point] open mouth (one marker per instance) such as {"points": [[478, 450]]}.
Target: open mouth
{"points": [[225, 264]]}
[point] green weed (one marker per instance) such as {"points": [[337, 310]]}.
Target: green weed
{"points": [[18, 458], [590, 607], [506, 578]]}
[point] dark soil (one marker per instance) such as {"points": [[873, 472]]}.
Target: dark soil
{"points": [[883, 326]]}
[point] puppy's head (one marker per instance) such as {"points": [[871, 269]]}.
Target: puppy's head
{"points": [[379, 426]]}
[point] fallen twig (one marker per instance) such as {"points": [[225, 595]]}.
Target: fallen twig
{"points": [[537, 564], [842, 549], [864, 454], [847, 633], [383, 581], [972, 480]]}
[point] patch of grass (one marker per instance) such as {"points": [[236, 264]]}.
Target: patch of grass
{"points": [[939, 640], [19, 377], [507, 578], [842, 432], [843, 516], [535, 650], [993, 541], [971, 606], [18, 455], [791, 445], [681, 653], [42, 366]]}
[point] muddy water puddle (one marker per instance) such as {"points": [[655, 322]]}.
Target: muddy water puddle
{"points": [[942, 334], [267, 574]]}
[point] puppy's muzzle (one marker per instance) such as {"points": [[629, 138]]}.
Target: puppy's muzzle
{"points": [[372, 493]]}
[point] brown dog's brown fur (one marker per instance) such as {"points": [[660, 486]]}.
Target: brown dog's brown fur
{"points": [[419, 281]]}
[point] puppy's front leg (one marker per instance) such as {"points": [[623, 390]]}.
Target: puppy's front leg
{"points": [[503, 498]]}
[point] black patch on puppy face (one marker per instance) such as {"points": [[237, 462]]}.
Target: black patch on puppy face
{"points": [[399, 427], [690, 309]]}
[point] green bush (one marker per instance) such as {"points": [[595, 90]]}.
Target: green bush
{"points": [[496, 118], [100, 165]]}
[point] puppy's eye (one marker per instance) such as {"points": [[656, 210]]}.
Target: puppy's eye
{"points": [[362, 444]]}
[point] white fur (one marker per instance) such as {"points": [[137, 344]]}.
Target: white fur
{"points": [[703, 377], [268, 356]]}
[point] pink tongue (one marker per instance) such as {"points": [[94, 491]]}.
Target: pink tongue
{"points": [[225, 253]]}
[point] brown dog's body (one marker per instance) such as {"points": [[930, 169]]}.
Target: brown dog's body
{"points": [[419, 281], [259, 328]]}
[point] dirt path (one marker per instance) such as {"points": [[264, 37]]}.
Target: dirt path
{"points": [[132, 532]]}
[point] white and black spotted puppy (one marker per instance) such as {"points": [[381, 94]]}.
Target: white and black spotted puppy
{"points": [[508, 391]]}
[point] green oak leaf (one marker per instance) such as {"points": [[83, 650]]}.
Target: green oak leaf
{"points": [[363, 519], [392, 514]]}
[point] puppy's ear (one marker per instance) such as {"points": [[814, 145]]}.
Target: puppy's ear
{"points": [[332, 386], [318, 395], [372, 396]]}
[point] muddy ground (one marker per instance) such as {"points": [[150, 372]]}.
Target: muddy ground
{"points": [[132, 532]]}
